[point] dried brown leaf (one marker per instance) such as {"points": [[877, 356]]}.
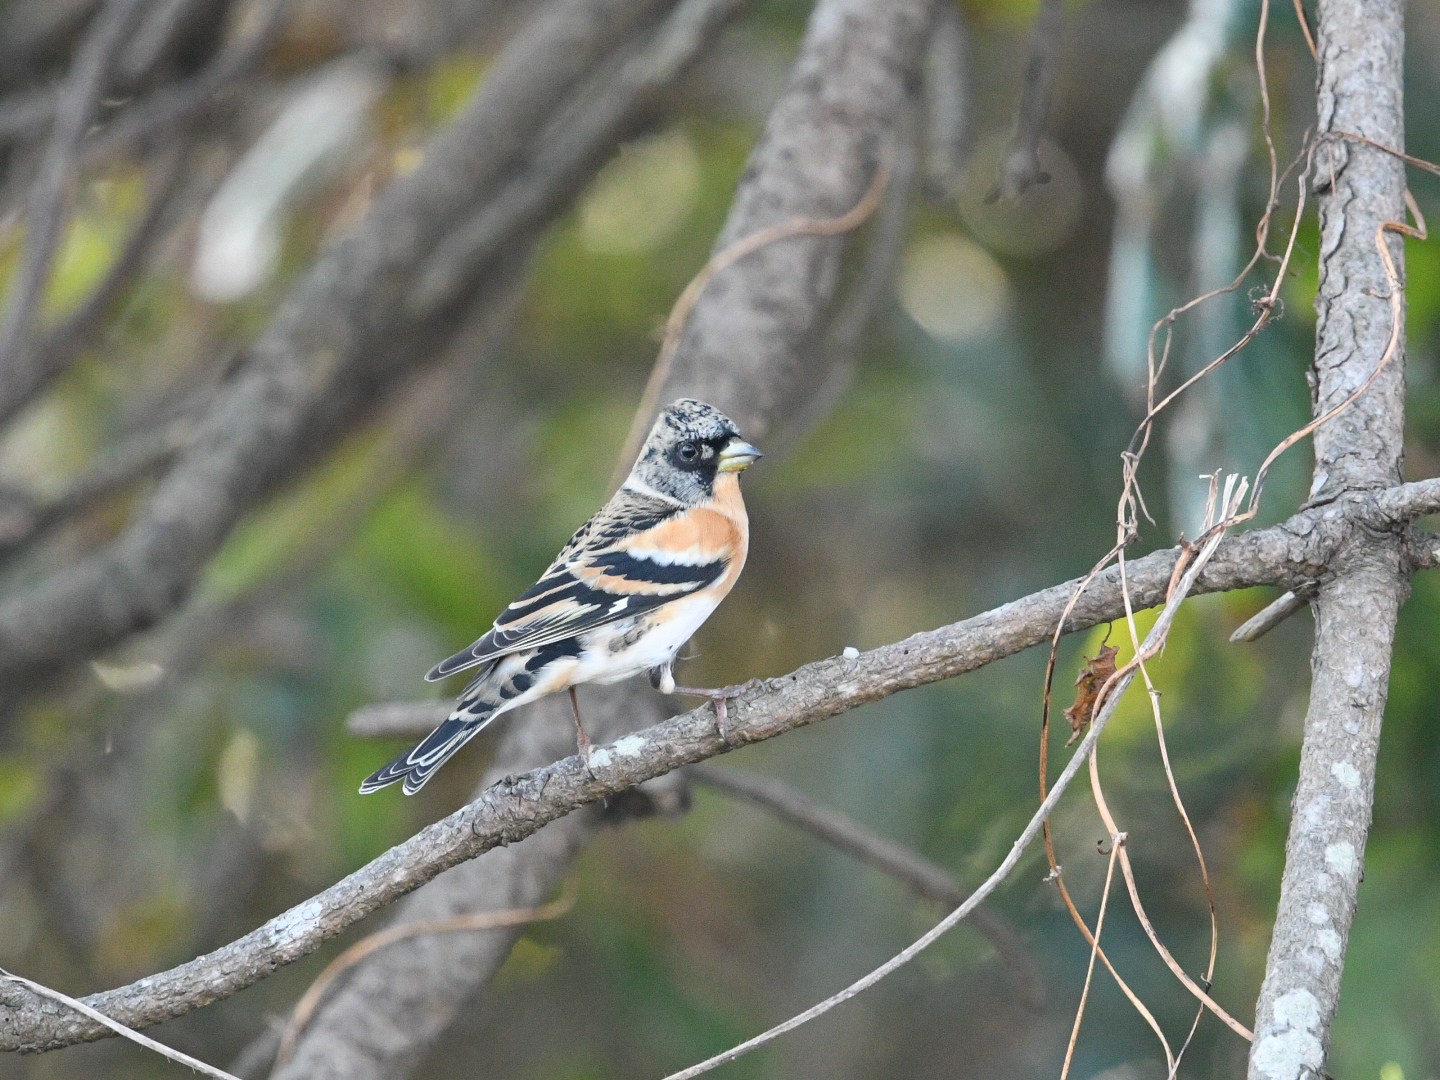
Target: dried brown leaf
{"points": [[1092, 677]]}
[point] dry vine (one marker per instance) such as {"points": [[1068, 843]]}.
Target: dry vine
{"points": [[733, 253], [1132, 504]]}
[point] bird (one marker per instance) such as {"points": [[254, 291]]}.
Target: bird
{"points": [[629, 589]]}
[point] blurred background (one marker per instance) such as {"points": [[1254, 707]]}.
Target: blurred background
{"points": [[176, 793]]}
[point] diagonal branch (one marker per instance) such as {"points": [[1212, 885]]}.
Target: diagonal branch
{"points": [[49, 195], [514, 808], [910, 868]]}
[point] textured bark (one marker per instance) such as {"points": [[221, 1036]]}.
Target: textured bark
{"points": [[507, 812], [1360, 91]]}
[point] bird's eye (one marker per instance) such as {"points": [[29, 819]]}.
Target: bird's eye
{"points": [[689, 451]]}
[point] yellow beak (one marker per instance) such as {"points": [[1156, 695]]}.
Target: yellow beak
{"points": [[738, 456]]}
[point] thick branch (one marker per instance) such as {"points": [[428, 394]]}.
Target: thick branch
{"points": [[819, 153], [515, 808], [1361, 47]]}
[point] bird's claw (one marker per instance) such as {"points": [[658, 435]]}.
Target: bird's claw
{"points": [[587, 750], [720, 698]]}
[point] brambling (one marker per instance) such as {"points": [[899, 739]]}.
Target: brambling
{"points": [[621, 598]]}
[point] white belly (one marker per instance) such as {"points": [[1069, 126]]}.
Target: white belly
{"points": [[664, 632]]}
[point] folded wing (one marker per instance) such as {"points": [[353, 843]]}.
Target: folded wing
{"points": [[635, 555]]}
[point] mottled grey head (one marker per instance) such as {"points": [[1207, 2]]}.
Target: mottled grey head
{"points": [[690, 444]]}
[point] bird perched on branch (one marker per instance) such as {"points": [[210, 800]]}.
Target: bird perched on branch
{"points": [[631, 587]]}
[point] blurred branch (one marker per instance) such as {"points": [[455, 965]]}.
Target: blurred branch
{"points": [[572, 148], [822, 147], [41, 358], [164, 109], [873, 282], [47, 214], [1019, 166], [947, 103], [393, 719], [910, 868], [469, 922], [1363, 197], [147, 452], [338, 342], [513, 807], [720, 261]]}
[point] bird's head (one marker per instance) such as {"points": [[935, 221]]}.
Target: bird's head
{"points": [[690, 446]]}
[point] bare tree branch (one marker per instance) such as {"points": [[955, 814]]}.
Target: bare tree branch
{"points": [[1361, 90], [517, 807], [179, 103], [49, 195], [337, 343], [910, 868], [821, 148]]}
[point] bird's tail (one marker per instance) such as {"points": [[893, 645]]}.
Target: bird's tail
{"points": [[420, 763]]}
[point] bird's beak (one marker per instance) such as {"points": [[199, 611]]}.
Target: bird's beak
{"points": [[738, 456]]}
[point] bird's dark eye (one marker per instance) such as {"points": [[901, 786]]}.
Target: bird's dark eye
{"points": [[689, 451]]}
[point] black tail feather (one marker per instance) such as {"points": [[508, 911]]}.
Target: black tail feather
{"points": [[417, 765]]}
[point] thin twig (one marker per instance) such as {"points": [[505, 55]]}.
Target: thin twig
{"points": [[746, 245], [1272, 615], [1305, 28], [1113, 692], [909, 867], [119, 1029], [1170, 962], [470, 921], [1117, 840], [1213, 505], [45, 220]]}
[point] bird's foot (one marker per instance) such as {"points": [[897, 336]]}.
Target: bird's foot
{"points": [[720, 698], [582, 741], [586, 750]]}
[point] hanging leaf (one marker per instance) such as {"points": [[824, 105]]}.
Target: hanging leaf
{"points": [[1092, 677]]}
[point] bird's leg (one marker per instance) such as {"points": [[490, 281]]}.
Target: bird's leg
{"points": [[582, 741], [720, 699]]}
